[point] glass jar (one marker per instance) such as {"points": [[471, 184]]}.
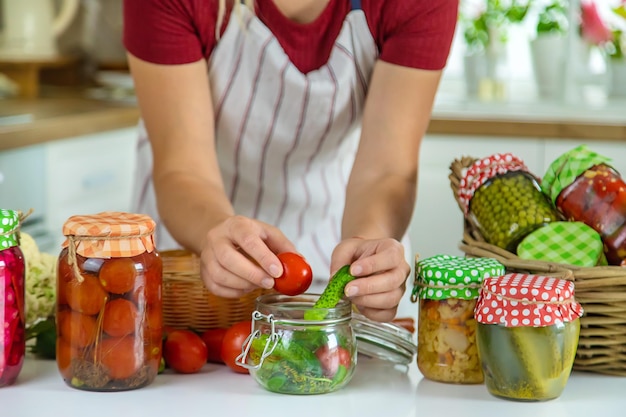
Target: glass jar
{"points": [[287, 354], [447, 288], [528, 328], [109, 307], [504, 200], [585, 188], [12, 280]]}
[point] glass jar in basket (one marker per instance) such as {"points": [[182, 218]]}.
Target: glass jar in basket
{"points": [[504, 200]]}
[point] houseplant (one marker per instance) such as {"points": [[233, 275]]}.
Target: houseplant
{"points": [[484, 25], [548, 49]]}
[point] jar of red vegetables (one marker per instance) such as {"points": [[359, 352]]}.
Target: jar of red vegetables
{"points": [[109, 307], [12, 276], [503, 199], [585, 188]]}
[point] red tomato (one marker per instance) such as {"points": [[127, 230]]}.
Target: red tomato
{"points": [[331, 358], [297, 275], [213, 339], [232, 344], [184, 351]]}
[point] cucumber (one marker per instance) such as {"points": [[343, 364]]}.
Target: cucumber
{"points": [[331, 295]]}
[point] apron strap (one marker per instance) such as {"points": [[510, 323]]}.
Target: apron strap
{"points": [[356, 4]]}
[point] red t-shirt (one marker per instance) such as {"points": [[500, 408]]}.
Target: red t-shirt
{"points": [[414, 33]]}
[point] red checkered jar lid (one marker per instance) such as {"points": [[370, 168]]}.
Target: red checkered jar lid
{"points": [[483, 170], [526, 300]]}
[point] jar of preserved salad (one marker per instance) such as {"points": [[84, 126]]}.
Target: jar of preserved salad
{"points": [[109, 307], [584, 187], [447, 288], [12, 314], [503, 199], [528, 328], [290, 354]]}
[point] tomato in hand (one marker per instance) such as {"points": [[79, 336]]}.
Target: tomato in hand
{"points": [[332, 358], [213, 339], [297, 274], [232, 344], [184, 351]]}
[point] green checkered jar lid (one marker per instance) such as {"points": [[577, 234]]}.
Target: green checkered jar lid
{"points": [[566, 168], [572, 243], [9, 226], [447, 276]]}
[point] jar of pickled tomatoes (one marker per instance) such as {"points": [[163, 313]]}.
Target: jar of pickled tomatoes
{"points": [[447, 288], [109, 307], [12, 277], [503, 199], [585, 188]]}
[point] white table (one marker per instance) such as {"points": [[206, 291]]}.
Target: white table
{"points": [[377, 389]]}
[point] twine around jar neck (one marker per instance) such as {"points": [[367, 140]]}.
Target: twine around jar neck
{"points": [[20, 219], [73, 240]]}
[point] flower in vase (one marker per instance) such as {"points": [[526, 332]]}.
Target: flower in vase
{"points": [[593, 28]]}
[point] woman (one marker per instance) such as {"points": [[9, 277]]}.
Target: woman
{"points": [[287, 125]]}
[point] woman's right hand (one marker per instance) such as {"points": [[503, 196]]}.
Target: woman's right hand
{"points": [[239, 255]]}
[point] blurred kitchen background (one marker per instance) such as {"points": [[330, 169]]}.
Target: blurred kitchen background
{"points": [[535, 78]]}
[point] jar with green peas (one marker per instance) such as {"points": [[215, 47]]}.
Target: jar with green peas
{"points": [[503, 199]]}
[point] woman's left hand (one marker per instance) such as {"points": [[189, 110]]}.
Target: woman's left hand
{"points": [[381, 269]]}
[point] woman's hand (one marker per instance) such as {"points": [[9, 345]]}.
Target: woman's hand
{"points": [[239, 255], [381, 269]]}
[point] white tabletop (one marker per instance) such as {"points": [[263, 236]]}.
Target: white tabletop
{"points": [[377, 389]]}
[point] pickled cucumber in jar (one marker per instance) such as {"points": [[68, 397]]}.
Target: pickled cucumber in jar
{"points": [[503, 199], [527, 335]]}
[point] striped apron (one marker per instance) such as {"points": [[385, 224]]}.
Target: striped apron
{"points": [[285, 140]]}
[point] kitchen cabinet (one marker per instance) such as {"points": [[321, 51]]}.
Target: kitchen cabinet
{"points": [[88, 174], [76, 175], [437, 224]]}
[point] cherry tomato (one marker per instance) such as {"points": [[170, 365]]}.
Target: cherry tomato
{"points": [[119, 318], [117, 275], [213, 339], [332, 358], [119, 356], [297, 274], [233, 341], [184, 351]]}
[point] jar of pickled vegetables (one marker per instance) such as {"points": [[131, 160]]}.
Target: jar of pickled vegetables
{"points": [[584, 187], [12, 280], [447, 288], [109, 311], [289, 354], [503, 199], [528, 328]]}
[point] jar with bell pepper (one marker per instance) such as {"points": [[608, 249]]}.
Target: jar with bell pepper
{"points": [[503, 199], [586, 188]]}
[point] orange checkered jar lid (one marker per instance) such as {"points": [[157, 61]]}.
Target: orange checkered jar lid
{"points": [[109, 234]]}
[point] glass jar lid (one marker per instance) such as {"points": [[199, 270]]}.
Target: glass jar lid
{"points": [[9, 225], [386, 341]]}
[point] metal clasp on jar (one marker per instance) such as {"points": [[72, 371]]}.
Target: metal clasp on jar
{"points": [[270, 344]]}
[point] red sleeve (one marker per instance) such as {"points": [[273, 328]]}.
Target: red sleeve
{"points": [[413, 33], [170, 31]]}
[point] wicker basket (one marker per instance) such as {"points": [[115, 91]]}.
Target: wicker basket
{"points": [[187, 304], [600, 290]]}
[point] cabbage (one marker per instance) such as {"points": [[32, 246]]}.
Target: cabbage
{"points": [[40, 288]]}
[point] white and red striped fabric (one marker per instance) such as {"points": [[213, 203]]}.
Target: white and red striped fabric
{"points": [[285, 140]]}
